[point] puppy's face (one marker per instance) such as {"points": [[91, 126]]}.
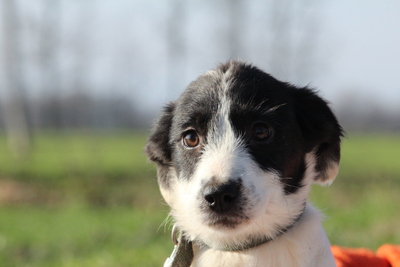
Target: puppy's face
{"points": [[237, 152]]}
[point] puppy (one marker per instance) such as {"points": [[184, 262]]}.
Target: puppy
{"points": [[236, 156]]}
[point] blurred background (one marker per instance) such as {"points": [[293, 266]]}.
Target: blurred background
{"points": [[82, 81]]}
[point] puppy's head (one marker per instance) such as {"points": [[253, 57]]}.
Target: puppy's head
{"points": [[237, 152]]}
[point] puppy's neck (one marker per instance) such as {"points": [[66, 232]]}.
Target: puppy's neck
{"points": [[255, 242], [305, 244]]}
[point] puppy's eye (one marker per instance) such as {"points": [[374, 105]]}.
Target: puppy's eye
{"points": [[261, 131], [190, 139]]}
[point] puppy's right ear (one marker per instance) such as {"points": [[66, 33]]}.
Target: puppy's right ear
{"points": [[158, 148]]}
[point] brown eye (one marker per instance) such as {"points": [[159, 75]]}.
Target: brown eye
{"points": [[261, 131], [190, 139]]}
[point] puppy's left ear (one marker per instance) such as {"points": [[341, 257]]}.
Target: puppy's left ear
{"points": [[158, 148], [321, 133]]}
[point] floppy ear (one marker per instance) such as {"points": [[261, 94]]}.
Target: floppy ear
{"points": [[321, 133], [158, 148]]}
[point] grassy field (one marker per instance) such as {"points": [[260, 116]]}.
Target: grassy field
{"points": [[84, 199]]}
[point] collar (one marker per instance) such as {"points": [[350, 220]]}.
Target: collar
{"points": [[182, 255]]}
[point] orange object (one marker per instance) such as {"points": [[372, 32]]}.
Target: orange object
{"points": [[386, 256]]}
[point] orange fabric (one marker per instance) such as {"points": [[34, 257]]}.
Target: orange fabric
{"points": [[391, 253], [386, 256]]}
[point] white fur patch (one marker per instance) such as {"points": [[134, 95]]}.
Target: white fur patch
{"points": [[331, 173]]}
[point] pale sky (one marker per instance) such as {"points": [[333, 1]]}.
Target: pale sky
{"points": [[124, 47], [366, 53]]}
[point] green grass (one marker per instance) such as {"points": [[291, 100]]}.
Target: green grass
{"points": [[371, 156], [85, 199], [362, 205], [80, 236], [62, 155], [104, 169]]}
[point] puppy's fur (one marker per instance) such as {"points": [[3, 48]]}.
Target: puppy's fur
{"points": [[236, 156]]}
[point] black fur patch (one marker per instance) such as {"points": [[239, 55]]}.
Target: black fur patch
{"points": [[196, 108]]}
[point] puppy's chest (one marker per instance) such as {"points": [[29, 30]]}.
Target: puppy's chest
{"points": [[263, 256]]}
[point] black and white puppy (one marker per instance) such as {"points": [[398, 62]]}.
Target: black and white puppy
{"points": [[236, 156]]}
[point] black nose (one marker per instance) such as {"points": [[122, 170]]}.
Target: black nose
{"points": [[222, 198]]}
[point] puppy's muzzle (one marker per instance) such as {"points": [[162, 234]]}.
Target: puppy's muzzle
{"points": [[222, 198]]}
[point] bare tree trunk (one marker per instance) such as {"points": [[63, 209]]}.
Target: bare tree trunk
{"points": [[235, 9], [14, 102], [306, 52], [49, 67], [282, 39], [176, 45], [291, 55]]}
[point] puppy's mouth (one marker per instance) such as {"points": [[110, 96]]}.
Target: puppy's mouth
{"points": [[225, 218], [231, 222]]}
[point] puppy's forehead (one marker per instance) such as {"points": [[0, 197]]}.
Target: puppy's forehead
{"points": [[235, 84]]}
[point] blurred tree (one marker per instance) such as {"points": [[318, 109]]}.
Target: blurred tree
{"points": [[49, 47], [176, 43], [83, 111], [14, 103], [306, 51], [295, 33], [281, 20], [236, 22], [82, 48]]}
